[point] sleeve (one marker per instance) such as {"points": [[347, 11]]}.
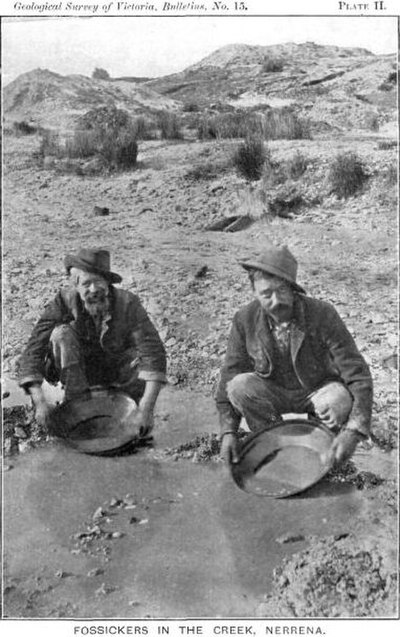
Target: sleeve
{"points": [[237, 361], [150, 349], [33, 358], [353, 370]]}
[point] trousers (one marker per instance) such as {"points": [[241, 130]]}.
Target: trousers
{"points": [[262, 402], [78, 368]]}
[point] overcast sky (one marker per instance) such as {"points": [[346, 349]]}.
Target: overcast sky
{"points": [[157, 46]]}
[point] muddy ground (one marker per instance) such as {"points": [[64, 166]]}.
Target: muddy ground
{"points": [[166, 533]]}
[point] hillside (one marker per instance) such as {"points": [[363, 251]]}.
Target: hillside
{"points": [[51, 99], [340, 88]]}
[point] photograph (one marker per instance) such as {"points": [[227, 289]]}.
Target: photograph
{"points": [[199, 317]]}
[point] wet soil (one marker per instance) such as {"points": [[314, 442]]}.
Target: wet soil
{"points": [[146, 536]]}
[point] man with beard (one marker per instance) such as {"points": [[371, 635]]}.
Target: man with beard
{"points": [[94, 334], [289, 353]]}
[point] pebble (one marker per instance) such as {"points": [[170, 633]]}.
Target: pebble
{"points": [[288, 538]]}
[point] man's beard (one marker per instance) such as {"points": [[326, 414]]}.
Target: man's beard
{"points": [[96, 304]]}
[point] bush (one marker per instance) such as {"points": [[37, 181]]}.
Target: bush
{"points": [[191, 107], [296, 166], [346, 175], [104, 118], [82, 145], [50, 144], [272, 65], [23, 128], [100, 74], [284, 124], [230, 126], [119, 151], [144, 128], [250, 158], [169, 125]]}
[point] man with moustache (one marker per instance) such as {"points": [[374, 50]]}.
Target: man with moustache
{"points": [[290, 353], [91, 334]]}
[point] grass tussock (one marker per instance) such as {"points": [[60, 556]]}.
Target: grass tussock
{"points": [[347, 175], [24, 128], [169, 125], [111, 137], [250, 158], [272, 124]]}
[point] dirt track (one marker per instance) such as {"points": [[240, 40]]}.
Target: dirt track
{"points": [[155, 232]]}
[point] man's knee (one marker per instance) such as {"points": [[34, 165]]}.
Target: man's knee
{"points": [[63, 334], [335, 399], [239, 388]]}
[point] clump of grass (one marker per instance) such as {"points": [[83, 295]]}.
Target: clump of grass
{"points": [[169, 124], [346, 175], [207, 171], [250, 157], [24, 128], [284, 124], [296, 166], [273, 65], [119, 151], [144, 128], [229, 125]]}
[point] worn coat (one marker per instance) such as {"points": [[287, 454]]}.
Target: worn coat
{"points": [[127, 328], [322, 350]]}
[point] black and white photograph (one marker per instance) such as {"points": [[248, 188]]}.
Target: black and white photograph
{"points": [[200, 315]]}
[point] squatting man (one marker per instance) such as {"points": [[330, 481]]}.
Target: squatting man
{"points": [[290, 353], [94, 333]]}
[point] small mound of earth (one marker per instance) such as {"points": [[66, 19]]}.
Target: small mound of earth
{"points": [[203, 448], [348, 472], [20, 430], [350, 577]]}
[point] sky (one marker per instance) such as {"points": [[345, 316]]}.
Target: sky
{"points": [[146, 46]]}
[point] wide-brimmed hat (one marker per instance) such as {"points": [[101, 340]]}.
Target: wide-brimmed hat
{"points": [[95, 260], [278, 261]]}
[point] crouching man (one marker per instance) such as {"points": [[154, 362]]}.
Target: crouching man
{"points": [[289, 353], [94, 334]]}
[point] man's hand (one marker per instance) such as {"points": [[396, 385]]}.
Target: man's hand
{"points": [[344, 445], [144, 420], [229, 448], [42, 413]]}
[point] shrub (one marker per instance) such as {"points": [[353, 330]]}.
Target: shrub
{"points": [[284, 124], [23, 128], [387, 144], [272, 65], [230, 126], [191, 107], [104, 118], [82, 145], [207, 171], [250, 158], [169, 125], [119, 151], [296, 166], [346, 175], [144, 128], [390, 175], [49, 144], [100, 74]]}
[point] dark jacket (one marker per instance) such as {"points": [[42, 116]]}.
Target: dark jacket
{"points": [[322, 349], [128, 328]]}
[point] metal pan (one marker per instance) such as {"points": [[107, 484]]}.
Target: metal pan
{"points": [[100, 423], [285, 459]]}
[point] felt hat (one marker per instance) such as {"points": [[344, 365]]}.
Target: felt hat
{"points": [[96, 261], [278, 261]]}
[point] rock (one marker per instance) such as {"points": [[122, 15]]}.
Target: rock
{"points": [[201, 272], [289, 538], [99, 513], [101, 212], [94, 572]]}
